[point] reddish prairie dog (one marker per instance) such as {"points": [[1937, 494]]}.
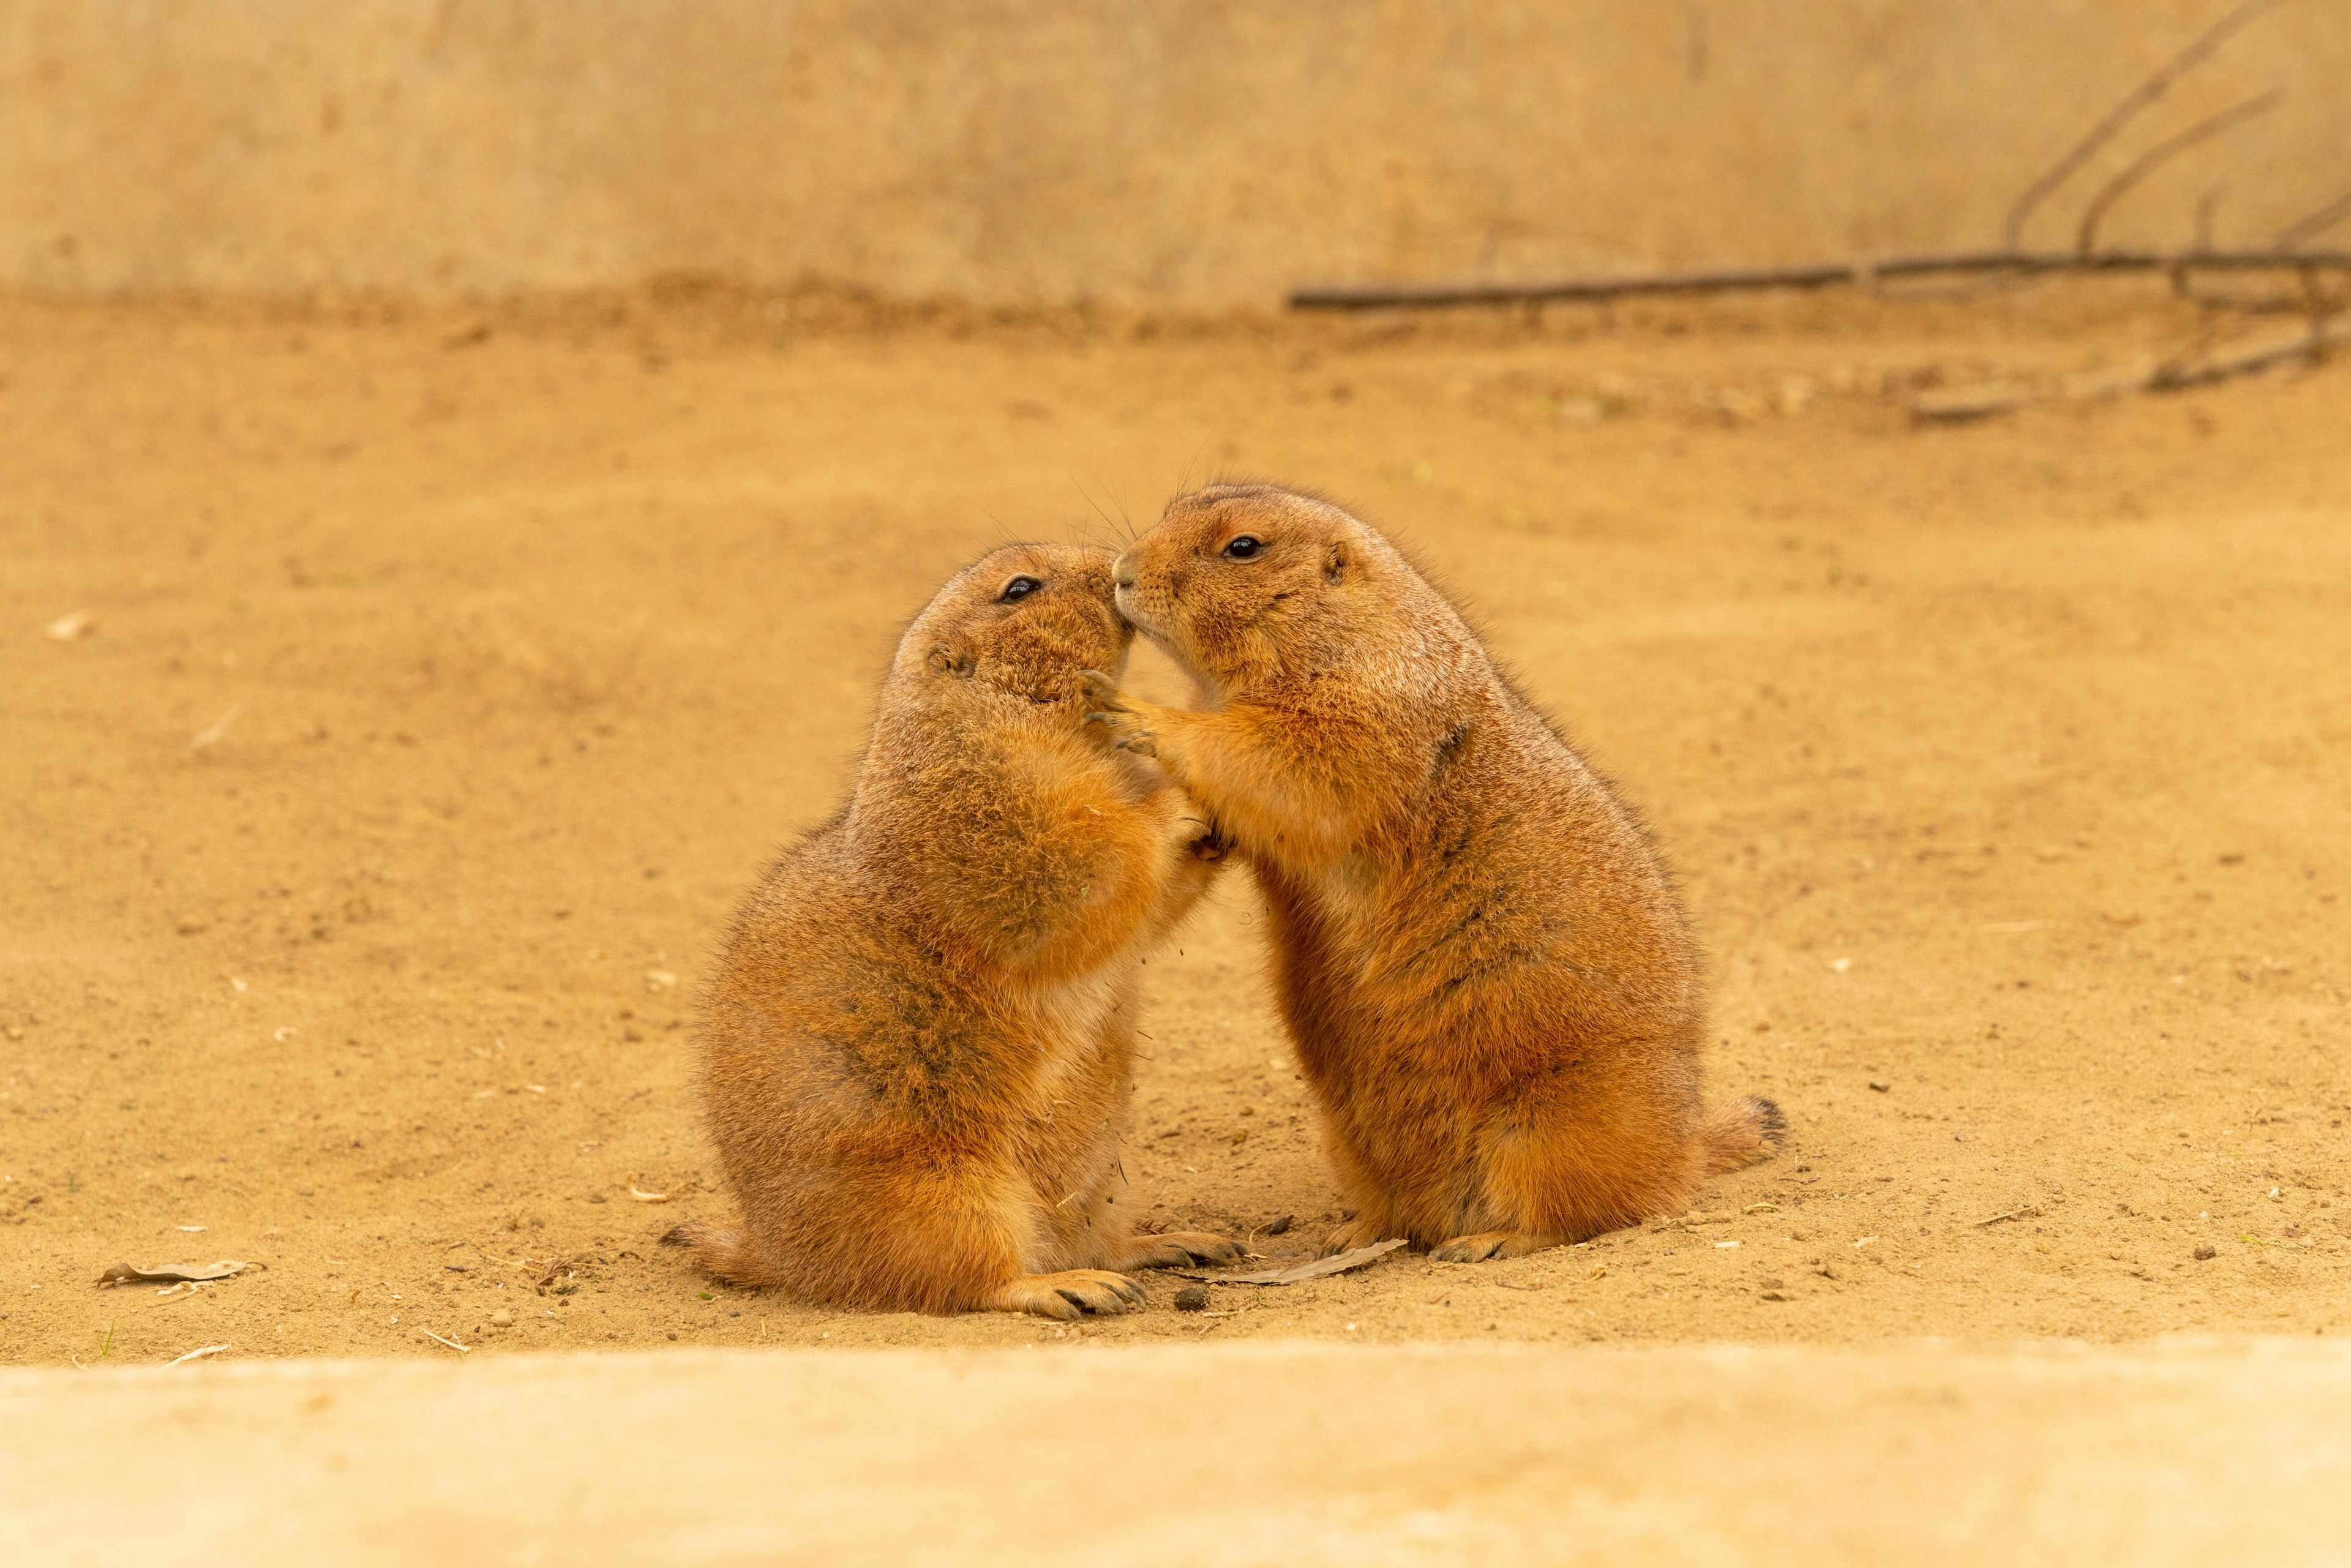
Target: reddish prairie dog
{"points": [[917, 1050], [1487, 977]]}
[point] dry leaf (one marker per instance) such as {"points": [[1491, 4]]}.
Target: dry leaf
{"points": [[1320, 1268], [125, 1274]]}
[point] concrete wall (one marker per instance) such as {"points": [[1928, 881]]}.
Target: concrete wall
{"points": [[1200, 153]]}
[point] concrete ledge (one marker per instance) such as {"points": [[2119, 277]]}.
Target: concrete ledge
{"points": [[2191, 1453]]}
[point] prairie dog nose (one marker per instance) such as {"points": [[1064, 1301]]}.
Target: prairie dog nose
{"points": [[1121, 570]]}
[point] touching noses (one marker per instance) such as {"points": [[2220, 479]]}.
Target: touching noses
{"points": [[1121, 570]]}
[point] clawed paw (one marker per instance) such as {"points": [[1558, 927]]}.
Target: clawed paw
{"points": [[1357, 1232], [1100, 691], [1209, 845], [1491, 1244], [1181, 1249], [1071, 1293], [1119, 723], [1124, 733]]}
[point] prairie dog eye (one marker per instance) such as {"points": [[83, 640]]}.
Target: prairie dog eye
{"points": [[1019, 587], [1243, 547]]}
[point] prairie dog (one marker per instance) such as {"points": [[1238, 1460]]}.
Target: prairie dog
{"points": [[917, 1048], [1486, 975]]}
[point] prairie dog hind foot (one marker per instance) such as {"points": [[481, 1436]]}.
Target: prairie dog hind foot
{"points": [[1360, 1231], [1069, 1295], [1179, 1249], [1491, 1246]]}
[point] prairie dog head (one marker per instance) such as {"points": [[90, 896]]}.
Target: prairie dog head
{"points": [[1243, 584], [1020, 621]]}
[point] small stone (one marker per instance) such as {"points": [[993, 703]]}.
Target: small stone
{"points": [[2206, 1253], [1282, 1226], [1880, 1085], [1192, 1299], [502, 1319], [672, 1334]]}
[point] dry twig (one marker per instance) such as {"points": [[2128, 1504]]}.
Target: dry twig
{"points": [[2129, 110], [2316, 223], [2200, 365], [2085, 239], [1822, 276]]}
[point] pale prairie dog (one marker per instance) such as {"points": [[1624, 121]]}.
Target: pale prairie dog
{"points": [[917, 1050], [1486, 975]]}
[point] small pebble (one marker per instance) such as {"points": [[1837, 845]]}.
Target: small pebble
{"points": [[2206, 1253], [1280, 1226], [1192, 1299], [502, 1319], [1880, 1085]]}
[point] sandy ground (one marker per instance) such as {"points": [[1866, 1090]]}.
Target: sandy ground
{"points": [[451, 675], [1224, 1454]]}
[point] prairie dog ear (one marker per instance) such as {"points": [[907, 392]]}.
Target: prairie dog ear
{"points": [[1334, 562], [946, 660]]}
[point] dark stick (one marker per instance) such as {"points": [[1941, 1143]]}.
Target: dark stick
{"points": [[2316, 223], [1819, 276], [2086, 240], [2123, 114]]}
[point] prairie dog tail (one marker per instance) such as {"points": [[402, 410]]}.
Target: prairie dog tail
{"points": [[721, 1251], [1737, 1134]]}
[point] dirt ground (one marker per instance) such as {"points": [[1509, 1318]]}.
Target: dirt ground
{"points": [[450, 675]]}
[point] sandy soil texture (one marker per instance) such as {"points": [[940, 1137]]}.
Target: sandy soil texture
{"points": [[448, 676], [1273, 1454]]}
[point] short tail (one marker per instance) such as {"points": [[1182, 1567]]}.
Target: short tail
{"points": [[723, 1253], [1738, 1133]]}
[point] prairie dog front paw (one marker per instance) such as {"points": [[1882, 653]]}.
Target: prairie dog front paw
{"points": [[1110, 714], [1204, 841]]}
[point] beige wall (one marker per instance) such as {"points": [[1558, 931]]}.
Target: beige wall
{"points": [[1201, 152]]}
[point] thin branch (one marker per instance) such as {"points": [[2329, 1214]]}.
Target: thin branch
{"points": [[2198, 365], [2086, 240], [2316, 223], [2247, 304], [1819, 276], [2207, 205], [2129, 110]]}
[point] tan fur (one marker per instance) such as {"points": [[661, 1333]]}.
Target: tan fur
{"points": [[1488, 979], [917, 1050]]}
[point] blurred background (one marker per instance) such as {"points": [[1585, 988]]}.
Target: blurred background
{"points": [[1028, 153]]}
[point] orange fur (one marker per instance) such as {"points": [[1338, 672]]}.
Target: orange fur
{"points": [[1487, 977], [917, 1050]]}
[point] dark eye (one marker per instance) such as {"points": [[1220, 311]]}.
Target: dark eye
{"points": [[1241, 549], [1019, 587]]}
